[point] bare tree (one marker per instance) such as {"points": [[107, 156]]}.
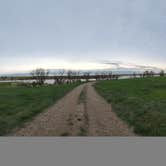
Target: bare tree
{"points": [[59, 78], [40, 75], [69, 75], [78, 73], [86, 75], [110, 75], [61, 72]]}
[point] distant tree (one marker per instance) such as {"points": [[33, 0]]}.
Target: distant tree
{"points": [[151, 73], [73, 76], [86, 75], [103, 74], [61, 74], [40, 75], [109, 75], [134, 74], [58, 78], [162, 73], [141, 75], [78, 74], [3, 78], [69, 75], [146, 73]]}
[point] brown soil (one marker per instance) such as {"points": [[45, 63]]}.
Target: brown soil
{"points": [[74, 116]]}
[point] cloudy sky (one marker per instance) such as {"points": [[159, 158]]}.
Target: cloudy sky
{"points": [[81, 34]]}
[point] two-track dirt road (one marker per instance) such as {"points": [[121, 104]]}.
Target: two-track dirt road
{"points": [[82, 112]]}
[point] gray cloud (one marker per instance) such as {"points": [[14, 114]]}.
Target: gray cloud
{"points": [[124, 30], [130, 66]]}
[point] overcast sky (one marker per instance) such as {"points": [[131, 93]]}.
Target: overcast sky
{"points": [[81, 34]]}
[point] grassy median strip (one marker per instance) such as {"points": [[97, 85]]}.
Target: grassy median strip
{"points": [[140, 102], [20, 104], [82, 97]]}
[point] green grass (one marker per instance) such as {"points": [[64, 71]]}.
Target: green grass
{"points": [[139, 102], [20, 104]]}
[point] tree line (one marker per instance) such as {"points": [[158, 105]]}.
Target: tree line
{"points": [[71, 76], [40, 76]]}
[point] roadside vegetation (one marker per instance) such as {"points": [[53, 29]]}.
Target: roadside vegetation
{"points": [[19, 103], [141, 102]]}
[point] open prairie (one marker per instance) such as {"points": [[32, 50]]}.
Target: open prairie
{"points": [[139, 102], [19, 104], [126, 107]]}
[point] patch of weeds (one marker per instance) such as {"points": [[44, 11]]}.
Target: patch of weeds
{"points": [[82, 97], [65, 134], [82, 132]]}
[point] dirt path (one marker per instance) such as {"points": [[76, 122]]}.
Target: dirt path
{"points": [[82, 112], [102, 120]]}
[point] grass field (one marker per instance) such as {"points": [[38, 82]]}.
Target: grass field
{"points": [[20, 104], [139, 102]]}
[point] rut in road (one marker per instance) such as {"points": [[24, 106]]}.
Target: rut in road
{"points": [[82, 112], [102, 120]]}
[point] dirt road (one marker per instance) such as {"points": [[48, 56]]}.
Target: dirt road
{"points": [[82, 112]]}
